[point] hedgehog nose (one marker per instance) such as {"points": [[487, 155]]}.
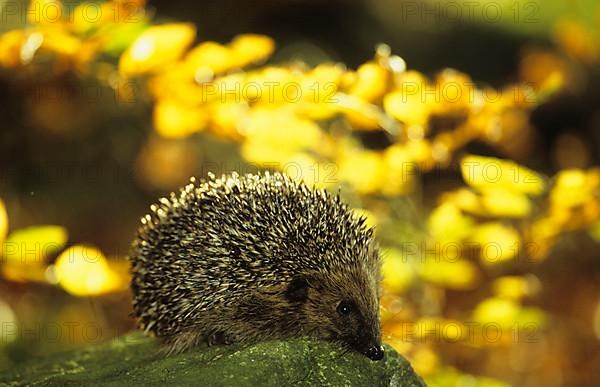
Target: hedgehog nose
{"points": [[375, 352]]}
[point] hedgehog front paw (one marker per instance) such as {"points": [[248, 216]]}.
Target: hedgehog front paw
{"points": [[218, 338]]}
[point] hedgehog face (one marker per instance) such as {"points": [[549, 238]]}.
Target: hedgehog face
{"points": [[343, 307], [357, 329]]}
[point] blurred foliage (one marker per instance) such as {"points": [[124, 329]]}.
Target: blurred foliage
{"points": [[473, 258]]}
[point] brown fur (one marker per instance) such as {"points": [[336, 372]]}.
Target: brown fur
{"points": [[270, 314]]}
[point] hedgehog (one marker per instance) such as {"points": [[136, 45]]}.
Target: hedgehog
{"points": [[248, 258]]}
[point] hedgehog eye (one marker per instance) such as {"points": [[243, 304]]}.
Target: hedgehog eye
{"points": [[345, 307]]}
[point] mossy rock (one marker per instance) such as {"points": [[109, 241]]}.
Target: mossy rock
{"points": [[135, 360]]}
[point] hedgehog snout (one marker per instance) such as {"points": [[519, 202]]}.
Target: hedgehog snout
{"points": [[371, 348], [375, 352]]}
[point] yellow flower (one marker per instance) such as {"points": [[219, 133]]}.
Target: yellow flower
{"points": [[447, 223], [400, 170], [451, 273], [251, 48], [371, 83], [84, 271], [3, 222], [502, 202], [362, 169], [408, 107], [492, 173], [496, 242], [274, 85], [421, 152], [454, 92], [573, 187], [214, 58], [465, 199], [172, 119], [227, 118], [491, 202], [85, 18], [507, 314], [398, 273], [516, 287], [61, 43], [178, 84], [361, 114], [33, 245], [211, 55], [46, 13], [156, 47], [275, 135], [449, 376], [304, 167], [320, 92], [11, 47], [324, 79], [408, 102], [26, 252], [437, 328], [425, 360]]}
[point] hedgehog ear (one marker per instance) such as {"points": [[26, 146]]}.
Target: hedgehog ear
{"points": [[297, 290]]}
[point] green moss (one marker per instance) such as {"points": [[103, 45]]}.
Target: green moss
{"points": [[135, 360]]}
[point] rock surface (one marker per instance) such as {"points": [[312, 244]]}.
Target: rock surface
{"points": [[135, 360]]}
